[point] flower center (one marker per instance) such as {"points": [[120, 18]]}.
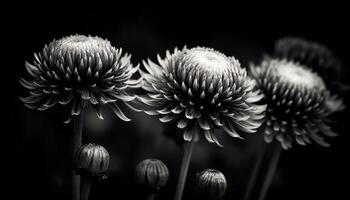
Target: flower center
{"points": [[208, 60], [298, 75], [80, 43]]}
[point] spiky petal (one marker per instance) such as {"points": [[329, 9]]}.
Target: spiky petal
{"points": [[202, 89], [298, 103], [78, 71]]}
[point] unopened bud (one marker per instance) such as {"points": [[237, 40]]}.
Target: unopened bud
{"points": [[92, 158], [152, 173], [210, 184]]}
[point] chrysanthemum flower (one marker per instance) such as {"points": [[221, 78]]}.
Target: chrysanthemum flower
{"points": [[298, 103], [202, 89], [79, 71], [152, 173], [210, 184], [313, 55]]}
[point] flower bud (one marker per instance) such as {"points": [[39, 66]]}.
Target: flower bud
{"points": [[210, 184], [152, 173], [92, 158]]}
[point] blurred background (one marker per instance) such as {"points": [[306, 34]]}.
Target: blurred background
{"points": [[38, 150]]}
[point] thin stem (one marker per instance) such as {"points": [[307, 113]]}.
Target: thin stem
{"points": [[85, 188], [271, 171], [254, 174], [77, 141], [184, 169]]}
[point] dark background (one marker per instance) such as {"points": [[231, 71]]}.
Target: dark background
{"points": [[38, 153]]}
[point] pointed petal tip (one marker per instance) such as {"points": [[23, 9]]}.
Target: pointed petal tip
{"points": [[119, 112], [22, 99], [67, 121], [75, 113]]}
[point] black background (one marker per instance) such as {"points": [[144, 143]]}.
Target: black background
{"points": [[38, 153]]}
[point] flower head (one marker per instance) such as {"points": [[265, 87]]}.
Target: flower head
{"points": [[152, 173], [79, 71], [313, 55], [210, 184], [92, 158], [298, 103], [202, 89]]}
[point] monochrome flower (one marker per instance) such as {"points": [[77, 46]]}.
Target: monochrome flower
{"points": [[298, 103], [152, 173], [92, 158], [313, 55], [210, 184], [202, 89], [79, 71]]}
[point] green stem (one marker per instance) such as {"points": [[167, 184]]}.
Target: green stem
{"points": [[271, 171], [254, 175], [85, 188], [77, 141], [184, 169]]}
